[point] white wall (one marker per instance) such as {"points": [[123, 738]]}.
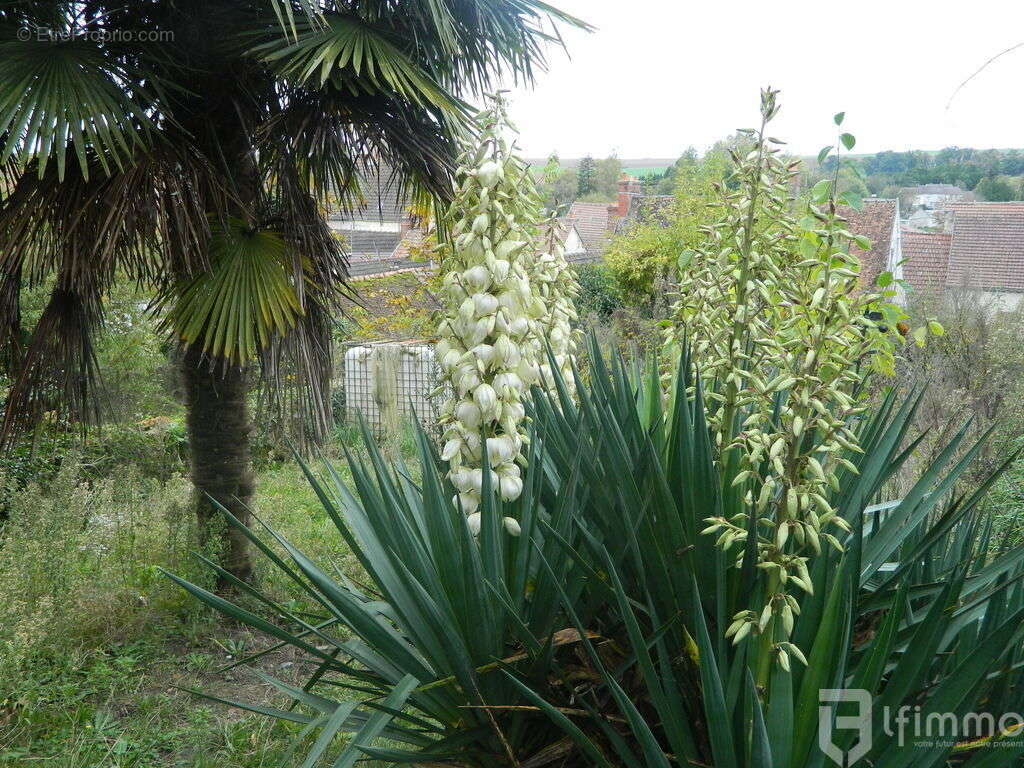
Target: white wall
{"points": [[573, 244], [1002, 301]]}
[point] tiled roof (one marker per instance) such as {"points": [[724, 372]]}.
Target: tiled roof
{"points": [[593, 224], [380, 200], [987, 251], [874, 221], [649, 209], [925, 260], [369, 243]]}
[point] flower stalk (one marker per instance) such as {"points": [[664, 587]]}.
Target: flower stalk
{"points": [[503, 305]]}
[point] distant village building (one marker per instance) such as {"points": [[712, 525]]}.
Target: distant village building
{"points": [[380, 233], [982, 252], [932, 196], [598, 223], [879, 221], [925, 207]]}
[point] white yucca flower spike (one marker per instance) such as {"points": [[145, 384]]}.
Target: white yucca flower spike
{"points": [[487, 346], [557, 285]]}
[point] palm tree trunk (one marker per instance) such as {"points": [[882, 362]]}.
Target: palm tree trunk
{"points": [[219, 426]]}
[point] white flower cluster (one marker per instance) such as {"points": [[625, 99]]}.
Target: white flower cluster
{"points": [[557, 287], [486, 346]]}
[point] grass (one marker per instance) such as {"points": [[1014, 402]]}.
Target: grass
{"points": [[98, 651]]}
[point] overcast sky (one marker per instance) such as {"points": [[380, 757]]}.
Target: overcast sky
{"points": [[660, 75]]}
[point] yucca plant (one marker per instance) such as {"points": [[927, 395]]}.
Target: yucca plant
{"points": [[600, 635], [420, 651], [730, 515], [914, 611]]}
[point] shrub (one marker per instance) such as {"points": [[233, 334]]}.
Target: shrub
{"points": [[599, 294], [78, 560], [643, 258]]}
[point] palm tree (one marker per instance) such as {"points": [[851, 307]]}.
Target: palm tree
{"points": [[188, 146]]}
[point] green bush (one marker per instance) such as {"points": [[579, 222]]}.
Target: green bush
{"points": [[599, 294], [155, 449]]}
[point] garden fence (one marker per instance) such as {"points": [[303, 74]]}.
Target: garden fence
{"points": [[386, 382]]}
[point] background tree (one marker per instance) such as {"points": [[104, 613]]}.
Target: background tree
{"points": [[643, 259], [586, 176], [995, 189], [607, 176], [192, 161], [556, 185], [884, 173]]}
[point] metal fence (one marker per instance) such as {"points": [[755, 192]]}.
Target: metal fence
{"points": [[386, 381]]}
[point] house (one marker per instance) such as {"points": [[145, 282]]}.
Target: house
{"points": [[931, 196], [982, 251], [571, 240], [924, 207], [379, 233], [879, 221], [594, 225], [597, 223]]}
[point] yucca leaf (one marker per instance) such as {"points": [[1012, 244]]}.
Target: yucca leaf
{"points": [[376, 723], [718, 719], [571, 730], [760, 744], [825, 664]]}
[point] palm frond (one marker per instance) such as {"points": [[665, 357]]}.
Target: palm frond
{"points": [[466, 45], [83, 233], [58, 370], [147, 221], [481, 43], [329, 134], [245, 298], [296, 368], [70, 95], [357, 57]]}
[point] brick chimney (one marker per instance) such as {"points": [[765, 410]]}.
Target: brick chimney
{"points": [[628, 188]]}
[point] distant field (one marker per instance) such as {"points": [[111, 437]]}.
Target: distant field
{"points": [[632, 165], [640, 171]]}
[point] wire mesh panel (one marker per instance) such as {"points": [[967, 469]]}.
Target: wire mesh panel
{"points": [[383, 381]]}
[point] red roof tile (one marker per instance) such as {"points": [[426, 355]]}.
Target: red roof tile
{"points": [[594, 225], [987, 250], [874, 221], [925, 260]]}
